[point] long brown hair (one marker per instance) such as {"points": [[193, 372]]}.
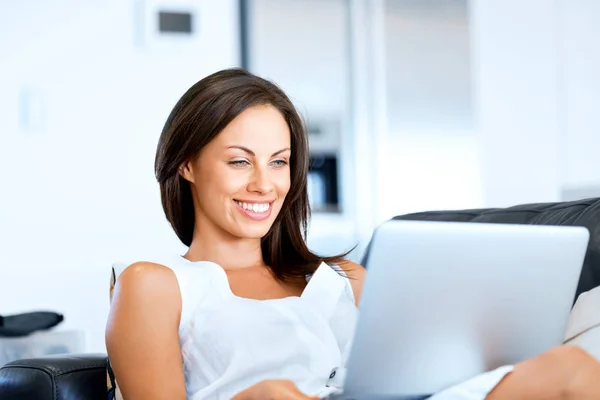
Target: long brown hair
{"points": [[200, 115]]}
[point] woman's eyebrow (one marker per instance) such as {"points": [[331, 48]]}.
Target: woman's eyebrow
{"points": [[247, 150]]}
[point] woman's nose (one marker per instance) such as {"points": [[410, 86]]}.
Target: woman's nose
{"points": [[261, 181]]}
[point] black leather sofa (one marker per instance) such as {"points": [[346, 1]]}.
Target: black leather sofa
{"points": [[83, 377]]}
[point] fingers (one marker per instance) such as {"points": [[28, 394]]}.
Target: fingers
{"points": [[296, 394], [274, 390]]}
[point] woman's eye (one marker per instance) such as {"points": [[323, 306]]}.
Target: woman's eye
{"points": [[239, 163], [280, 163]]}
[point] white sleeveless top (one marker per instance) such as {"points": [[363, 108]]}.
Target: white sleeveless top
{"points": [[229, 343]]}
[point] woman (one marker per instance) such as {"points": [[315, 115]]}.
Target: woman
{"points": [[249, 312]]}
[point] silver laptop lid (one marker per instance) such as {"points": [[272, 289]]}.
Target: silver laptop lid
{"points": [[445, 301]]}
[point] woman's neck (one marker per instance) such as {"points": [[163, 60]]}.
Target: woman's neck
{"points": [[229, 253]]}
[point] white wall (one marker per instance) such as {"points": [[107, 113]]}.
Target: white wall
{"points": [[302, 46], [517, 99], [534, 71], [537, 88], [579, 62], [431, 171], [78, 191], [432, 160]]}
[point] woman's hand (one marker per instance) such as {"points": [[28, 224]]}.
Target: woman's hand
{"points": [[273, 390]]}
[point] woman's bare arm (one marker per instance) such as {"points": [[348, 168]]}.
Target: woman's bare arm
{"points": [[142, 335]]}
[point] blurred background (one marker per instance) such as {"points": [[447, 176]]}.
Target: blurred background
{"points": [[412, 105]]}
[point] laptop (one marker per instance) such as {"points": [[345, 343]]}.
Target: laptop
{"points": [[445, 301]]}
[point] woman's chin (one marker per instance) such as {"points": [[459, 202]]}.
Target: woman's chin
{"points": [[253, 230]]}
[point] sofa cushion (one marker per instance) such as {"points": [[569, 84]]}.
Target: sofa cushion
{"points": [[65, 377]]}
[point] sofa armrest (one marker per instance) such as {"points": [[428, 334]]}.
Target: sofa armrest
{"points": [[67, 377]]}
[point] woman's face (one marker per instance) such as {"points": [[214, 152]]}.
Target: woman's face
{"points": [[242, 176]]}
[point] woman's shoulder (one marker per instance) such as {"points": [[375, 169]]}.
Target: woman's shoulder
{"points": [[146, 270], [144, 279], [161, 264]]}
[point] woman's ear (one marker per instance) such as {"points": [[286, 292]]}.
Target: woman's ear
{"points": [[186, 171]]}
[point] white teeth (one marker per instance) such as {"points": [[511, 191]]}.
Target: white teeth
{"points": [[254, 207]]}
